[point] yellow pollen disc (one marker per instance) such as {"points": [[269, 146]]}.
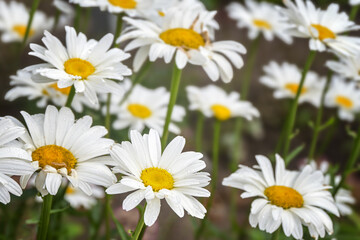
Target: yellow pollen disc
{"points": [[293, 88], [127, 4], [64, 91], [221, 112], [284, 197], [79, 67], [161, 13], [262, 24], [54, 156], [21, 30], [70, 190], [182, 37], [344, 101], [324, 32], [139, 110], [157, 178]]}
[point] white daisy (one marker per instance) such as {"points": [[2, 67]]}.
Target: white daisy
{"points": [[24, 86], [185, 35], [155, 175], [62, 147], [88, 65], [354, 2], [260, 17], [64, 7], [323, 27], [345, 96], [145, 107], [14, 18], [285, 80], [290, 199], [213, 101], [78, 199], [346, 66], [13, 160]]}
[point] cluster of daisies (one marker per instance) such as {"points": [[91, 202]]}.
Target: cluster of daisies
{"points": [[54, 150]]}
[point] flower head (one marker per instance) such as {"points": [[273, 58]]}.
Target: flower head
{"points": [[326, 28], [346, 66], [354, 2], [78, 199], [62, 147], [289, 198], [213, 101], [154, 175], [88, 65], [285, 80], [260, 17], [14, 18]]}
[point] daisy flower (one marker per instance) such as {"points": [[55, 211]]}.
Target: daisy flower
{"points": [[88, 65], [154, 175], [13, 160], [24, 86], [185, 35], [346, 66], [61, 147], [260, 17], [345, 96], [64, 7], [78, 199], [14, 18], [213, 101], [290, 198], [354, 2], [145, 107], [325, 28], [285, 80]]}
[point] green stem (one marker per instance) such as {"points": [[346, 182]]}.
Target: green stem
{"points": [[199, 132], [70, 97], [175, 83], [290, 121], [329, 136], [85, 24], [56, 21], [77, 18], [119, 227], [119, 23], [107, 216], [350, 164], [319, 119], [214, 174], [139, 228], [44, 217], [354, 12], [34, 7]]}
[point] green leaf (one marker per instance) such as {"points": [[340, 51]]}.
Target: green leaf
{"points": [[119, 227], [294, 153], [32, 221], [53, 211], [329, 122]]}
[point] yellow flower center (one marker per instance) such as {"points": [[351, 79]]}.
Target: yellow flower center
{"points": [[181, 37], [262, 24], [21, 30], [157, 178], [79, 67], [139, 110], [324, 32], [64, 91], [54, 156], [70, 190], [221, 112], [294, 87], [127, 4], [284, 197], [161, 13], [344, 101]]}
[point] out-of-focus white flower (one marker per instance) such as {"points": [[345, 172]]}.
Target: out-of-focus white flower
{"points": [[88, 65], [260, 17], [289, 199], [354, 2], [345, 96], [24, 86], [285, 80], [14, 17], [153, 175], [64, 7], [325, 28], [213, 101], [346, 66], [78, 199]]}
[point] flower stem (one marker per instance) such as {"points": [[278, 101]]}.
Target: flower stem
{"points": [[77, 18], [34, 7], [56, 20], [70, 97], [175, 83], [119, 23], [107, 216], [290, 120], [350, 164], [44, 217], [199, 132], [139, 228], [319, 119], [354, 12], [214, 174]]}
